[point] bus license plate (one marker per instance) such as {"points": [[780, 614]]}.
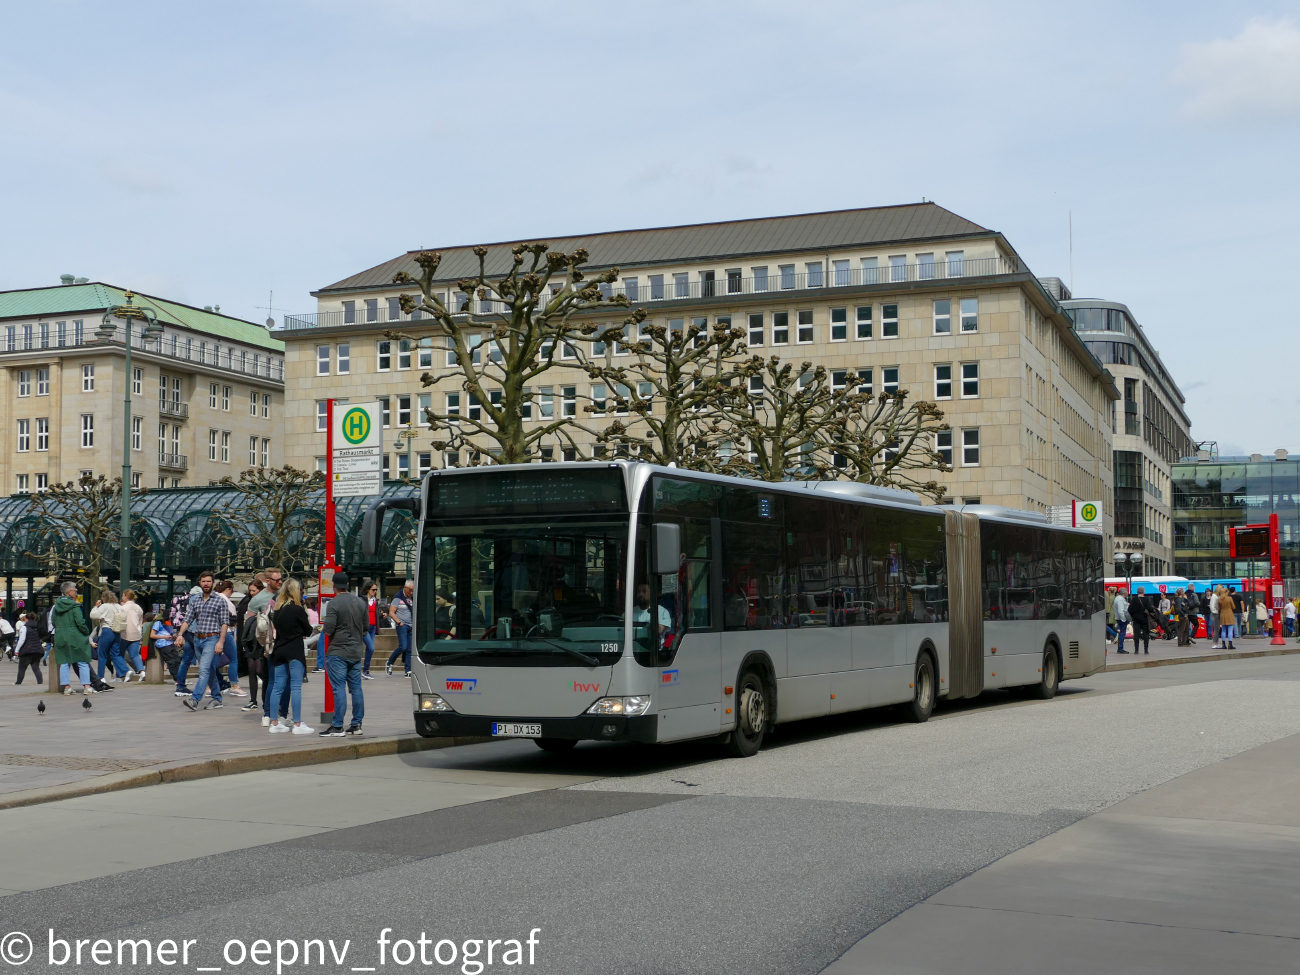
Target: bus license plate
{"points": [[511, 729]]}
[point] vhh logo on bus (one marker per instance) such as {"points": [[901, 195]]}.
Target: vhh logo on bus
{"points": [[465, 685], [356, 426], [586, 688]]}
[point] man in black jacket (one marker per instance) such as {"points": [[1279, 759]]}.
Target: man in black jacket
{"points": [[1140, 611], [1193, 609]]}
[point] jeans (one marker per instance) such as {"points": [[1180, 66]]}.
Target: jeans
{"points": [[1123, 631], [83, 671], [187, 658], [1228, 632], [346, 672], [131, 652], [290, 674], [403, 646], [109, 648], [208, 680], [232, 672], [369, 638]]}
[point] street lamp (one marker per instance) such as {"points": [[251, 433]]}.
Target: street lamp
{"points": [[149, 329], [1129, 560]]}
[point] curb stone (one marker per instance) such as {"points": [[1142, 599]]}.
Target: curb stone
{"points": [[1207, 658], [188, 770]]}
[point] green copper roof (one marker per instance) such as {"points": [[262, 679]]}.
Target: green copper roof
{"points": [[96, 296]]}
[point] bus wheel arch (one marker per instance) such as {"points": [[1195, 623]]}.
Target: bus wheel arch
{"points": [[754, 701], [1049, 673], [925, 684]]}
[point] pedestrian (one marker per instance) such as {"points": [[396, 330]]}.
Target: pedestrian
{"points": [[8, 638], [131, 636], [71, 639], [227, 590], [1180, 605], [185, 642], [1164, 609], [260, 604], [252, 658], [1193, 614], [314, 641], [1121, 619], [30, 648], [291, 627], [1288, 618], [1262, 619], [1110, 613], [105, 618], [402, 612], [1140, 612], [208, 616], [346, 624], [163, 636], [1227, 619], [1212, 620], [371, 592]]}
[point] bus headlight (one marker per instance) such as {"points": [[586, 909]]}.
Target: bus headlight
{"points": [[627, 706], [434, 702]]}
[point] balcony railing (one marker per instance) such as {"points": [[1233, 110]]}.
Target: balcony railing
{"points": [[649, 290], [226, 357], [178, 462], [168, 407]]}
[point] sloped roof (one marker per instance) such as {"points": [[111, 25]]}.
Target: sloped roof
{"points": [[727, 239], [96, 296]]}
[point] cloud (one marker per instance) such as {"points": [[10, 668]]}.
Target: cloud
{"points": [[1254, 76], [144, 182]]}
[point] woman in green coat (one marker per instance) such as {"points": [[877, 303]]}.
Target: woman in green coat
{"points": [[71, 639]]}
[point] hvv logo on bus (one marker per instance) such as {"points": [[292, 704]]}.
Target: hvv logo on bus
{"points": [[585, 688], [464, 685]]}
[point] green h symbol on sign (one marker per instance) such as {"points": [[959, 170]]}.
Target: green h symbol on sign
{"points": [[356, 426]]}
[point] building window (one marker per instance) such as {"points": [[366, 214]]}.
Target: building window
{"points": [[212, 396], [756, 385], [372, 309], [898, 267], [814, 271], [404, 354], [760, 278], [425, 404], [864, 321], [475, 407], [344, 358], [970, 448], [925, 266], [864, 381], [266, 406], [453, 407], [252, 451], [22, 484], [323, 415], [546, 402], [176, 438], [570, 400], [404, 411], [889, 321], [386, 356], [426, 355], [943, 317], [225, 398], [43, 480], [786, 271], [970, 380], [225, 446], [137, 382], [839, 324], [24, 382], [426, 463], [176, 395], [42, 433], [780, 328], [956, 261], [212, 445], [24, 436], [322, 360], [656, 287], [266, 452], [943, 445], [88, 429], [681, 285], [394, 309], [889, 379], [970, 314], [78, 328], [162, 439], [871, 270], [137, 432], [840, 273], [756, 328], [349, 312], [384, 414], [943, 381], [598, 399], [805, 320]]}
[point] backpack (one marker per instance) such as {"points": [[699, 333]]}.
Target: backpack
{"points": [[45, 625], [117, 620]]}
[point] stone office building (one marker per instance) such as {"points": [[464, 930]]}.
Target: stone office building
{"points": [[910, 296], [207, 396]]}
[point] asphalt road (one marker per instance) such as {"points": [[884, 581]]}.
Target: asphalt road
{"points": [[656, 860]]}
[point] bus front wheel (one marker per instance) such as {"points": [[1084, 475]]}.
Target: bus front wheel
{"points": [[751, 716], [1050, 680], [922, 705]]}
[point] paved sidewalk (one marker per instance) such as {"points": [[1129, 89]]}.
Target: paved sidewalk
{"points": [[1165, 652], [145, 726]]}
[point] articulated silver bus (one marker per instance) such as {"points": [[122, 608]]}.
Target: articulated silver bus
{"points": [[629, 602]]}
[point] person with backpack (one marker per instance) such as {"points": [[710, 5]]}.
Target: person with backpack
{"points": [[208, 616], [104, 635], [132, 634], [260, 606], [71, 639], [347, 619], [291, 627], [29, 647], [1140, 610], [251, 655]]}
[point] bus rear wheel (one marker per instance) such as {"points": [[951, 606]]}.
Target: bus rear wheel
{"points": [[751, 716], [555, 744], [1050, 678], [922, 705]]}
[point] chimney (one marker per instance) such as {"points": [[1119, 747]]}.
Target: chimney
{"points": [[217, 309], [1279, 454], [1256, 458], [207, 308], [82, 281], [67, 278]]}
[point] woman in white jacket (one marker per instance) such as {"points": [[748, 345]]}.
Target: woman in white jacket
{"points": [[1120, 609], [131, 635], [1212, 624]]}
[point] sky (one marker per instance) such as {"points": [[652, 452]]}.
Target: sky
{"points": [[217, 153]]}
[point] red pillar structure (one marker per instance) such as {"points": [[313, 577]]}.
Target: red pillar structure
{"points": [[1277, 590], [326, 573]]}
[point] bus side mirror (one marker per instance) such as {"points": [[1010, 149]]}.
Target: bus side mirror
{"points": [[372, 523], [668, 549]]}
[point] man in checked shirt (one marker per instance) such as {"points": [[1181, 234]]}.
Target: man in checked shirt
{"points": [[208, 615]]}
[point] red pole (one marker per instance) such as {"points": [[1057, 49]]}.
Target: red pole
{"points": [[329, 547], [1275, 560]]}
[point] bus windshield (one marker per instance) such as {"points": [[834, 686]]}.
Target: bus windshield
{"points": [[525, 591]]}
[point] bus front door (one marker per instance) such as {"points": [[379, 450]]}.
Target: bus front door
{"points": [[689, 688]]}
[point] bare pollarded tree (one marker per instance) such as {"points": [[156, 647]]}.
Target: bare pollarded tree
{"points": [[275, 517], [889, 442], [525, 321]]}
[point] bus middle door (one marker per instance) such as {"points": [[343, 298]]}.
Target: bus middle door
{"points": [[689, 692]]}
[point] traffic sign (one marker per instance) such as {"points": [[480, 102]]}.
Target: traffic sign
{"points": [[356, 461]]}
